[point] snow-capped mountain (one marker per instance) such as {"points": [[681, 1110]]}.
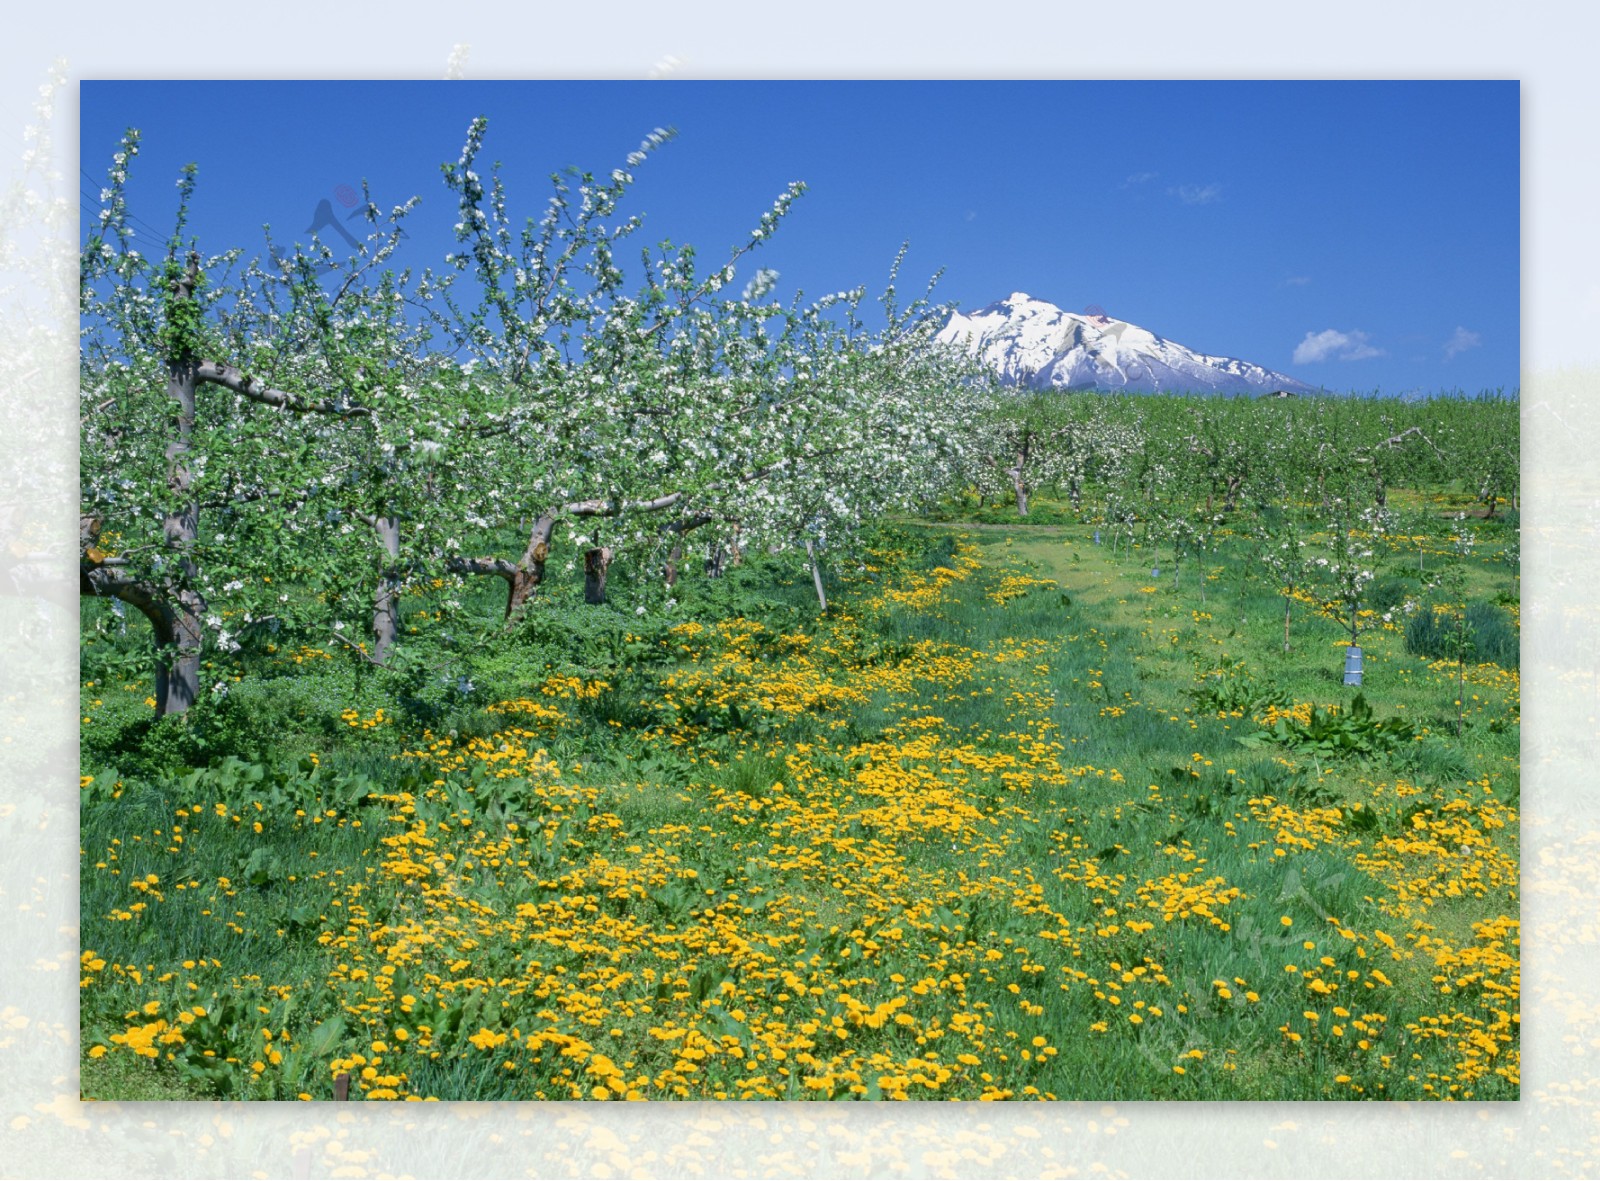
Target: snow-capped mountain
{"points": [[1028, 341]]}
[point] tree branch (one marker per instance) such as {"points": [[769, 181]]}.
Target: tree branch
{"points": [[1396, 440], [235, 379], [613, 508], [106, 405], [97, 581], [500, 566], [357, 649], [689, 524]]}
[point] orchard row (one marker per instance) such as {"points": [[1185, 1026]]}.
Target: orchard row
{"points": [[294, 444]]}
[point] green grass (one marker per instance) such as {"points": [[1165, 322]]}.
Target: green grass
{"points": [[127, 1079], [1047, 875]]}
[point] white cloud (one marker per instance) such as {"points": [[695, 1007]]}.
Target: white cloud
{"points": [[1196, 194], [1333, 345], [1460, 341], [1297, 281], [1139, 178]]}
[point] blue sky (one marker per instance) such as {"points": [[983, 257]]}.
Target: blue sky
{"points": [[1355, 235]]}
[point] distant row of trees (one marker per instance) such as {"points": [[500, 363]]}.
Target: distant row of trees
{"points": [[1229, 452], [1281, 473]]}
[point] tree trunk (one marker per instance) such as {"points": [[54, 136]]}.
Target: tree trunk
{"points": [[1231, 502], [1021, 488], [529, 573], [386, 604], [736, 555], [177, 690], [1017, 474], [816, 576], [714, 560], [595, 563], [680, 529], [522, 578], [520, 585], [1286, 602]]}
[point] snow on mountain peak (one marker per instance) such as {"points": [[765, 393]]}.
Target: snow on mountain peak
{"points": [[1031, 342]]}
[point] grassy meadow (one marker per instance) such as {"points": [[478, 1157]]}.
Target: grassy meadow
{"points": [[1015, 818]]}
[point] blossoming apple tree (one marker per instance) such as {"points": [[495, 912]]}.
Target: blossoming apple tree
{"points": [[290, 447]]}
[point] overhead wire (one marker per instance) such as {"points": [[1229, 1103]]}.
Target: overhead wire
{"points": [[91, 213], [135, 219]]}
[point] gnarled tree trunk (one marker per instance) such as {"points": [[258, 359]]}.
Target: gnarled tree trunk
{"points": [[529, 573], [522, 577]]}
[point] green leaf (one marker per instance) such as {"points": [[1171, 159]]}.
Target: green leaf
{"points": [[325, 1037]]}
